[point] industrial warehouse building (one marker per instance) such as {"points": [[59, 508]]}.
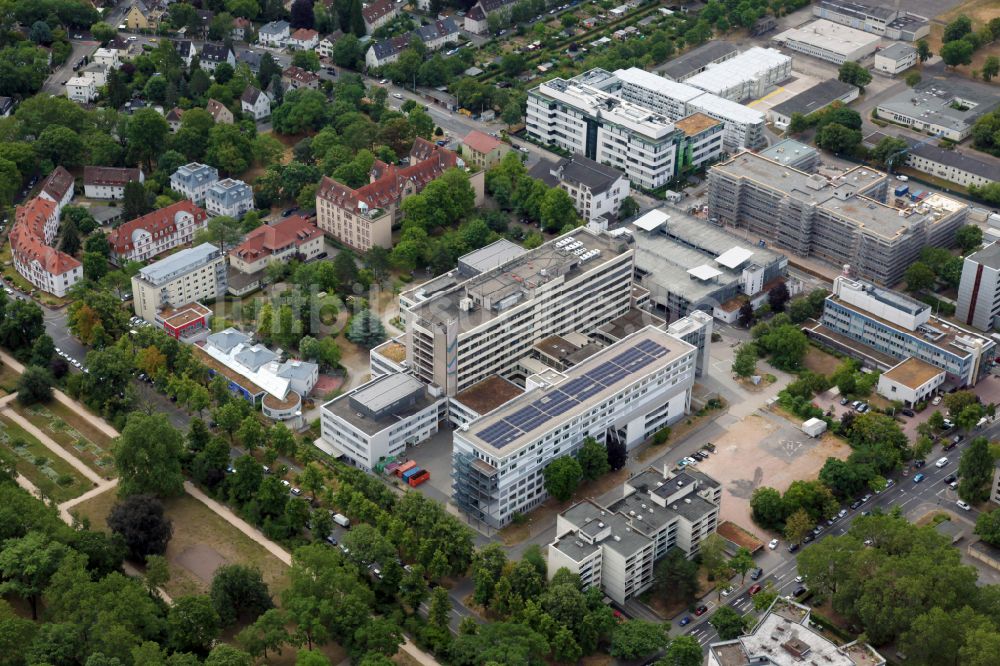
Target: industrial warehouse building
{"points": [[829, 41]]}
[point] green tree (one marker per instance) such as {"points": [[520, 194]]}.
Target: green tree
{"points": [[557, 210], [562, 476], [593, 458], [742, 562], [988, 526], [34, 385], [227, 655], [838, 139], [147, 456], [767, 507], [728, 623], [912, 79], [267, 632], [745, 360], [957, 53], [146, 134], [975, 471], [143, 527], [969, 237], [192, 624], [957, 29], [365, 329], [853, 73], [239, 592], [889, 150], [251, 433], [677, 577], [635, 639], [682, 651], [923, 50], [135, 201], [27, 565], [787, 346], [991, 67], [798, 526]]}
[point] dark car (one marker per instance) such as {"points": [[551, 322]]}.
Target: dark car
{"points": [[289, 212], [754, 589], [855, 504], [808, 538], [756, 573], [845, 401], [950, 478], [697, 455], [700, 610], [799, 591], [919, 463], [686, 620], [332, 540], [792, 547], [709, 447], [949, 446], [907, 412]]}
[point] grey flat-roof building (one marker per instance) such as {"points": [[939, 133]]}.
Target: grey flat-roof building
{"points": [[960, 168], [191, 275], [485, 258], [698, 59], [687, 264], [375, 422], [843, 221], [795, 154], [811, 100], [948, 107], [615, 547], [878, 19]]}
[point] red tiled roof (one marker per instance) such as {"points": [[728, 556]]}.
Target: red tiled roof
{"points": [[98, 175], [162, 221], [377, 10], [216, 109], [240, 22], [427, 162], [265, 240], [298, 74], [304, 34], [58, 183], [481, 142], [175, 113], [27, 238]]}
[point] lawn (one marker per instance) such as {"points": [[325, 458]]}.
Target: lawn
{"points": [[980, 11], [202, 541], [8, 378], [820, 362], [72, 433], [51, 474]]}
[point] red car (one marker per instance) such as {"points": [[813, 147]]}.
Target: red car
{"points": [[619, 617], [700, 610], [754, 589]]}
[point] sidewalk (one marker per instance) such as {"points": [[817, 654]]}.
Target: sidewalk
{"points": [[64, 508], [30, 428]]}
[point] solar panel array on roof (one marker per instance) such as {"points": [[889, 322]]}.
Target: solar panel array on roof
{"points": [[560, 400]]}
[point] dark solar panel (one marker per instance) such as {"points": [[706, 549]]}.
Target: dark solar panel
{"points": [[558, 408], [654, 349], [494, 433], [535, 422], [572, 387], [523, 415]]}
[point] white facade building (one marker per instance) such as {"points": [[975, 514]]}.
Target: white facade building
{"points": [[751, 74], [229, 197], [193, 181], [979, 290], [378, 420], [895, 58], [108, 182], [471, 323], [107, 57], [274, 34], [910, 382], [81, 89], [615, 548], [596, 190], [191, 275], [829, 41], [623, 393]]}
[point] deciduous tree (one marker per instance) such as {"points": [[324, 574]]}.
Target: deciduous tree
{"points": [[562, 476], [140, 520]]}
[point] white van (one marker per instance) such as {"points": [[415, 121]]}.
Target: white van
{"points": [[341, 520]]}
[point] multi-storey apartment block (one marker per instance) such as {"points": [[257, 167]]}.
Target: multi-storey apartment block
{"points": [[155, 233], [625, 393], [229, 197], [187, 276], [841, 220], [364, 217], [579, 116], [193, 181], [290, 238], [378, 420], [468, 324], [979, 290], [698, 59], [882, 327], [35, 226], [616, 547], [108, 182]]}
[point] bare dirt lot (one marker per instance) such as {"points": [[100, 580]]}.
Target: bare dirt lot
{"points": [[764, 450], [980, 11]]}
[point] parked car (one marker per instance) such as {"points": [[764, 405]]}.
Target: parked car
{"points": [[907, 412], [792, 547], [841, 513], [855, 504], [950, 478], [754, 589], [729, 590], [962, 505], [773, 544], [700, 610], [799, 591], [917, 478], [942, 461], [756, 573], [844, 401], [685, 621], [936, 400], [919, 463]]}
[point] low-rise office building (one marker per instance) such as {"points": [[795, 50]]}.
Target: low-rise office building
{"points": [[483, 317], [830, 41], [963, 169], [947, 107], [193, 181], [229, 197], [785, 636], [877, 19], [615, 548], [188, 276], [811, 100], [157, 232], [597, 190], [895, 58], [751, 74], [624, 393], [687, 265], [108, 182], [290, 238], [910, 382], [377, 421], [979, 290], [841, 220], [882, 327], [698, 59]]}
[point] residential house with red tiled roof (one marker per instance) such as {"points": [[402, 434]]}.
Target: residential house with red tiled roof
{"points": [[364, 217], [378, 13], [303, 39], [242, 28], [58, 188], [174, 119], [35, 227], [219, 112], [108, 182], [155, 233], [294, 78], [289, 238], [482, 150]]}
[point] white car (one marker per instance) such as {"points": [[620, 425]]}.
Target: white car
{"points": [[962, 505], [384, 81], [799, 579], [690, 461], [773, 544], [936, 400], [941, 462], [397, 95], [729, 590]]}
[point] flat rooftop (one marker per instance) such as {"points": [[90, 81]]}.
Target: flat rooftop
{"points": [[830, 36], [913, 373], [683, 66], [989, 256], [493, 255], [486, 395], [183, 314], [179, 263], [788, 151], [815, 98], [513, 282], [858, 10], [932, 101], [377, 394], [519, 421], [684, 243], [747, 66], [696, 123], [630, 322], [392, 350], [838, 195]]}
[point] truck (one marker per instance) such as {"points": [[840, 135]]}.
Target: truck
{"points": [[409, 464], [410, 473], [342, 520], [901, 190], [419, 478]]}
